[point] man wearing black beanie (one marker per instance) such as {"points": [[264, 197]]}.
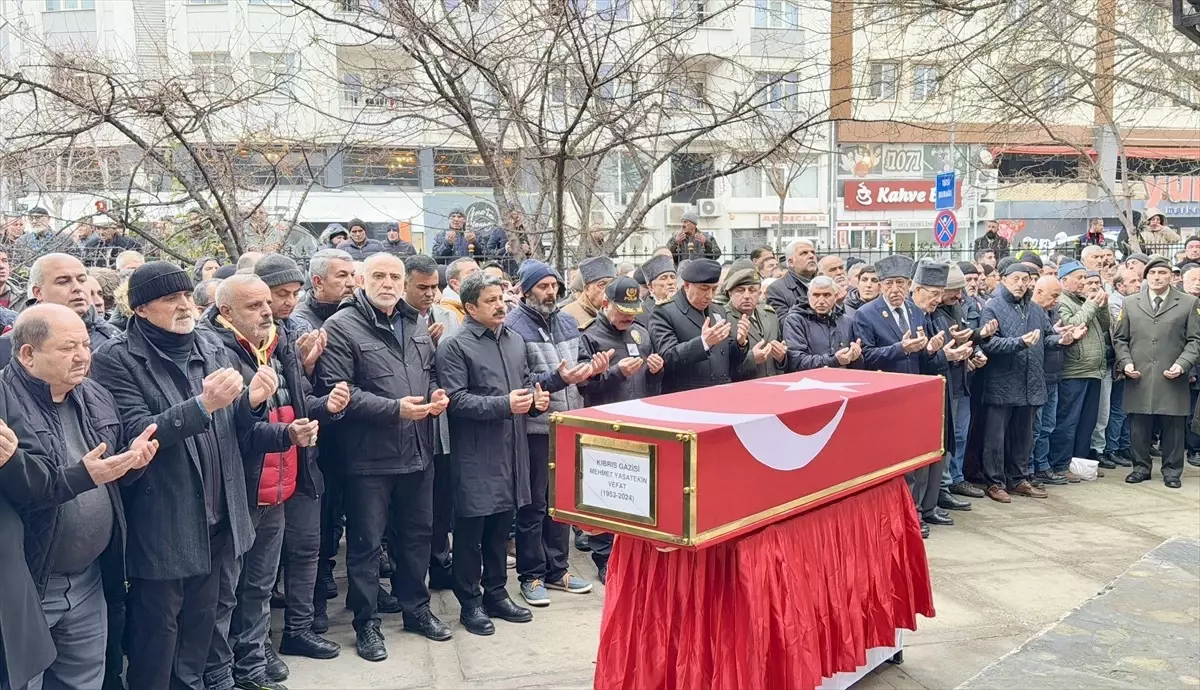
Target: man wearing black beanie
{"points": [[188, 516]]}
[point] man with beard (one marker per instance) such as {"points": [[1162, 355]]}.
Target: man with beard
{"points": [[360, 246], [492, 394], [792, 289], [62, 279], [396, 245], [742, 289], [109, 241], [380, 345], [1016, 383], [992, 241], [551, 351], [596, 273], [700, 346], [1157, 340], [817, 335], [662, 284], [420, 288], [960, 321], [331, 272], [864, 289], [187, 514], [687, 243], [285, 487], [636, 374]]}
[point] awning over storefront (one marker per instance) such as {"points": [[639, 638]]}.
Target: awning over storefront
{"points": [[1150, 152]]}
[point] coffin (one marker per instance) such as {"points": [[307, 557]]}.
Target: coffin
{"points": [[692, 469]]}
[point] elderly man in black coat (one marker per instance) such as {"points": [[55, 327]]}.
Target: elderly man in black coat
{"points": [[187, 513], [74, 531], [380, 346], [817, 335], [699, 345], [485, 373]]}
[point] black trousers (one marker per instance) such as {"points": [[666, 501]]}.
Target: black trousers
{"points": [[1007, 442], [924, 485], [332, 520], [443, 521], [1141, 437], [171, 624], [114, 656], [401, 507], [479, 549], [601, 548], [301, 551], [973, 459], [542, 543]]}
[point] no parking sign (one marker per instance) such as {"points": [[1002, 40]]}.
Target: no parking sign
{"points": [[945, 228]]}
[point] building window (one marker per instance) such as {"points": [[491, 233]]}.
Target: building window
{"points": [[69, 5], [610, 10], [565, 90], [459, 169], [270, 2], [394, 167], [1016, 168], [277, 167], [686, 171], [620, 176], [207, 2], [275, 71], [885, 77], [747, 184], [212, 71], [1017, 9], [926, 79], [1056, 86], [776, 14], [360, 5], [778, 91], [686, 92]]}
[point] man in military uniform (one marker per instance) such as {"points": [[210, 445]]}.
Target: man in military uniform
{"points": [[635, 371], [741, 290], [698, 344], [596, 273], [1157, 342], [659, 274]]}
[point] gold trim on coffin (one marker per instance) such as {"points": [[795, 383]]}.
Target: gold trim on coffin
{"points": [[647, 451], [654, 432]]}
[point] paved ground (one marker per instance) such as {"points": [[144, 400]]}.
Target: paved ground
{"points": [[1000, 576]]}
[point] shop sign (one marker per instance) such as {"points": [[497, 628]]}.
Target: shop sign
{"points": [[771, 219], [892, 195]]}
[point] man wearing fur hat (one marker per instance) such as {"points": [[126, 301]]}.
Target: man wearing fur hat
{"points": [[596, 273], [661, 283], [741, 294]]}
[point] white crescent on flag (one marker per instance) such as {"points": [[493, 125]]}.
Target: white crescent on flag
{"points": [[764, 436]]}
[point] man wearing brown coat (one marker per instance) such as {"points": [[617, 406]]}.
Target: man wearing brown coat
{"points": [[1157, 341]]}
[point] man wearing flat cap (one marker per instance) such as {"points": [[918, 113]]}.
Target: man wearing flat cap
{"points": [[634, 371], [1084, 367], [690, 244], [1016, 382], [1157, 342], [596, 273], [662, 284], [699, 345], [741, 292]]}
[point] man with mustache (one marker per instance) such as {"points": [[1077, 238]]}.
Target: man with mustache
{"points": [[484, 368], [382, 347], [792, 289], [187, 513]]}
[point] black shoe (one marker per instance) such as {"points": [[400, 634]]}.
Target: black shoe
{"points": [[965, 489], [277, 671], [476, 621], [948, 501], [386, 603], [385, 566], [1137, 476], [427, 624], [937, 517], [255, 685], [309, 644], [1193, 458], [368, 641], [924, 530], [1173, 483], [1120, 459], [320, 623], [581, 542], [326, 586], [1093, 454], [1050, 478], [1106, 462], [506, 610], [602, 573]]}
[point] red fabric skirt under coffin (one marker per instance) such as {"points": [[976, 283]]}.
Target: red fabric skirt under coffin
{"points": [[781, 608]]}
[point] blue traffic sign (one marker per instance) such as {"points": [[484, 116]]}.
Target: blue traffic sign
{"points": [[945, 228], [945, 196]]}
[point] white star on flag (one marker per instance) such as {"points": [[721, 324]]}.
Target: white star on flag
{"points": [[807, 384]]}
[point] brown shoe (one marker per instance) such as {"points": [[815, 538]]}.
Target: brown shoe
{"points": [[1072, 477], [998, 494], [1024, 488]]}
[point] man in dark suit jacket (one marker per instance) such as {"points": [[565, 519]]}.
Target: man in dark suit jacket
{"points": [[698, 344], [792, 289]]}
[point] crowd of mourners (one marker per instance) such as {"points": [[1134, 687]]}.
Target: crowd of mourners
{"points": [[182, 449]]}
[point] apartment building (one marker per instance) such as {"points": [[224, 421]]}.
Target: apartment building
{"points": [[330, 132]]}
